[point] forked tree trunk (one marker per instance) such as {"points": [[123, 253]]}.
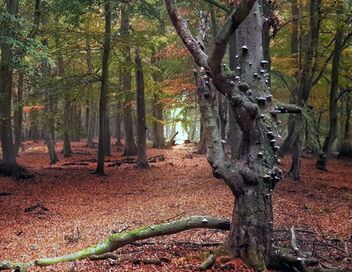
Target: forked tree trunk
{"points": [[130, 146], [305, 81], [252, 224], [103, 126], [142, 160]]}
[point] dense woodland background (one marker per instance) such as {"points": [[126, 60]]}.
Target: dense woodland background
{"points": [[113, 80]]}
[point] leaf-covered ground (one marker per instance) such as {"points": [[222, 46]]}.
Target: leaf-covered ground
{"points": [[66, 207]]}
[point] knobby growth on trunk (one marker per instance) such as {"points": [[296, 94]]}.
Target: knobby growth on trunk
{"points": [[253, 176]]}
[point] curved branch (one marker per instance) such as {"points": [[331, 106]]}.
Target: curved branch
{"points": [[36, 22], [118, 240], [219, 5], [224, 35], [188, 39]]}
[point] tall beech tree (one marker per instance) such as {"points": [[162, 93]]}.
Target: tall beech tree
{"points": [[130, 145], [8, 165], [254, 175], [103, 106], [142, 160]]}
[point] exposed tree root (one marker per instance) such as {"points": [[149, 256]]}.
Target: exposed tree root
{"points": [[118, 240], [221, 250], [290, 263], [14, 170]]}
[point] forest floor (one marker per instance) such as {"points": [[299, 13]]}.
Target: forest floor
{"points": [[65, 208]]}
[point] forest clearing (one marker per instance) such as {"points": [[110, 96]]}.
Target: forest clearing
{"points": [[176, 135], [84, 208]]}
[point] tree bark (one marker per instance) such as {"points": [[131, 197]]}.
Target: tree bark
{"points": [[130, 146], [67, 150], [103, 106], [91, 109], [142, 160], [8, 165], [235, 134], [48, 119], [18, 113], [158, 118], [202, 145], [346, 146]]}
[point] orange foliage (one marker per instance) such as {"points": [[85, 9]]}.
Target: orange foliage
{"points": [[172, 51], [29, 109], [178, 85]]}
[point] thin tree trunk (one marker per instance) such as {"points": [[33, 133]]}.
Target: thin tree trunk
{"points": [[107, 133], [48, 119], [158, 126], [67, 150], [346, 147], [142, 160], [130, 146], [18, 113], [104, 90], [332, 133], [91, 110]]}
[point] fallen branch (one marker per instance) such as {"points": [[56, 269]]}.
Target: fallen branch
{"points": [[118, 240], [134, 161], [294, 241]]}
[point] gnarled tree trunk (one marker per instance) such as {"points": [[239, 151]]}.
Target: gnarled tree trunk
{"points": [[253, 176]]}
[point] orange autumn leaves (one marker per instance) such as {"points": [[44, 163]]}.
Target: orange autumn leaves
{"points": [[178, 85], [29, 109]]}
